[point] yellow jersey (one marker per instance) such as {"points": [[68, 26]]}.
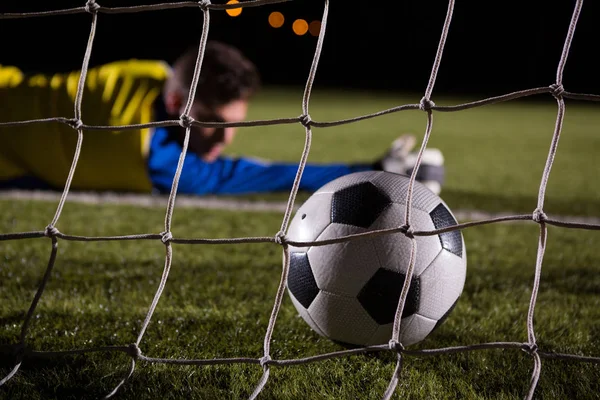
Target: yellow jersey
{"points": [[118, 93]]}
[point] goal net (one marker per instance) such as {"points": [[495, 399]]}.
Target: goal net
{"points": [[267, 361]]}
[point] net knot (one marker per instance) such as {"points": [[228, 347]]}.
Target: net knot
{"points": [[76, 123], [204, 4], [134, 351], [186, 121], [539, 215], [51, 231], [91, 6], [166, 237], [408, 231], [265, 361], [530, 348], [396, 345], [280, 237], [557, 90], [305, 120], [426, 104]]}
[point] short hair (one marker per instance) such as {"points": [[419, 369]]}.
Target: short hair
{"points": [[226, 75]]}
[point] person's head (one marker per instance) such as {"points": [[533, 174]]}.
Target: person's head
{"points": [[227, 82]]}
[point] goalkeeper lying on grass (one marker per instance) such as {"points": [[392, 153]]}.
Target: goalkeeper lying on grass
{"points": [[38, 156]]}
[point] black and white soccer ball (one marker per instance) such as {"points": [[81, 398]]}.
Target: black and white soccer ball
{"points": [[349, 291]]}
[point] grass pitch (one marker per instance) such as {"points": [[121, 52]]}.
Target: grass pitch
{"points": [[218, 298]]}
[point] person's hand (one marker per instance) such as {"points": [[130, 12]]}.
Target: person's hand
{"points": [[401, 160], [395, 159]]}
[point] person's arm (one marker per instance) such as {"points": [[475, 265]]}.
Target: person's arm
{"points": [[246, 175], [236, 175]]}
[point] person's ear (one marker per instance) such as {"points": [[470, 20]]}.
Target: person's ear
{"points": [[173, 103]]}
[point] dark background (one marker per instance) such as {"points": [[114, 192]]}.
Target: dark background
{"points": [[492, 48]]}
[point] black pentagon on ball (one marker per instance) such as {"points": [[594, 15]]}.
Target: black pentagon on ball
{"points": [[451, 241], [301, 281], [358, 205], [381, 294]]}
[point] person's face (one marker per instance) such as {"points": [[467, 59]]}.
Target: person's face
{"points": [[209, 143]]}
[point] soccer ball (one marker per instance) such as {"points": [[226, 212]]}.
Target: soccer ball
{"points": [[349, 291]]}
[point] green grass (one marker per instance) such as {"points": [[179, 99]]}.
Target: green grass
{"points": [[218, 298]]}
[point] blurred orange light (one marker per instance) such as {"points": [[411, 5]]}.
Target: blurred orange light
{"points": [[234, 12], [314, 28], [276, 19], [300, 27]]}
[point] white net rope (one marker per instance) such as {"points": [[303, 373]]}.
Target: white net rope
{"points": [[266, 362]]}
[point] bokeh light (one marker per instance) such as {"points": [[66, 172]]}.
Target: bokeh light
{"points": [[300, 27], [234, 12], [276, 19], [314, 28]]}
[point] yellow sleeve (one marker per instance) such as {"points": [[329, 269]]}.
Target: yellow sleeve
{"points": [[118, 93]]}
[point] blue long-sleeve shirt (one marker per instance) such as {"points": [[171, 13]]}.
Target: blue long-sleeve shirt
{"points": [[228, 175]]}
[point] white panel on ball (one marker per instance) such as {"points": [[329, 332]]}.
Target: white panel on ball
{"points": [[413, 329], [341, 318], [394, 249], [441, 284], [312, 218], [306, 316], [422, 199], [346, 266]]}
